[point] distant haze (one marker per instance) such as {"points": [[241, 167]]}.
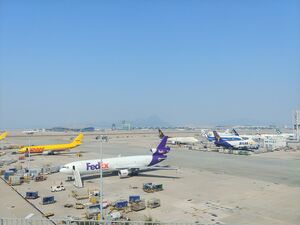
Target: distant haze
{"points": [[154, 63]]}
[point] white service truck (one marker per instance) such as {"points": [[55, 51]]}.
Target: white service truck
{"points": [[57, 188]]}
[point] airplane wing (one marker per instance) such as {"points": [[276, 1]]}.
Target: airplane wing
{"points": [[148, 168]]}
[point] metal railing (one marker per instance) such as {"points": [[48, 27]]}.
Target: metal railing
{"points": [[45, 221]]}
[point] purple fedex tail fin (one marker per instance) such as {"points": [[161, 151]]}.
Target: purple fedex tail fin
{"points": [[162, 148], [159, 153]]}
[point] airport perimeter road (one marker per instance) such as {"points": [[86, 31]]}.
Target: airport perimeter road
{"points": [[281, 171]]}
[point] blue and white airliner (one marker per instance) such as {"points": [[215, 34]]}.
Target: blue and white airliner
{"points": [[235, 143]]}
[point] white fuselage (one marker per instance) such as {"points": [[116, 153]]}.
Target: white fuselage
{"points": [[283, 135], [244, 144], [182, 140], [108, 165]]}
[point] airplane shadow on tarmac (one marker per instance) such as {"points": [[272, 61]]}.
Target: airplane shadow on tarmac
{"points": [[158, 176], [90, 177]]}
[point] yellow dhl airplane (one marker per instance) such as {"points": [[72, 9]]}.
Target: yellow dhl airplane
{"points": [[52, 149], [3, 135]]}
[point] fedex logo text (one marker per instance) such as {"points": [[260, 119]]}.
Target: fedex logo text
{"points": [[90, 166]]}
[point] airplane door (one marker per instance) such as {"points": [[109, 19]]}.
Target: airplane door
{"points": [[73, 167]]}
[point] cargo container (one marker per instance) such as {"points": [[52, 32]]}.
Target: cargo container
{"points": [[150, 187], [134, 198], [8, 173], [20, 172], [115, 215], [121, 204], [13, 169], [34, 172], [92, 211], [2, 172], [48, 200], [32, 195], [14, 180]]}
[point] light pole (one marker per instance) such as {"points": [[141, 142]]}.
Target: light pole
{"points": [[101, 178], [29, 149]]}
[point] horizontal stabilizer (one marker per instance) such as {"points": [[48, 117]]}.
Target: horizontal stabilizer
{"points": [[153, 168]]}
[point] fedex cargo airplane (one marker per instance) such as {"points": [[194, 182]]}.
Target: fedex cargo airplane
{"points": [[3, 135], [179, 140], [52, 149], [235, 144], [125, 166]]}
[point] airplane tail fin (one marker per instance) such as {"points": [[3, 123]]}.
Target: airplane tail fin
{"points": [[78, 139], [161, 149], [217, 136], [235, 133], [160, 153], [203, 133], [3, 135], [258, 132], [278, 131], [160, 133]]}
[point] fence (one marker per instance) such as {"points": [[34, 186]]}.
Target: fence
{"points": [[44, 221]]}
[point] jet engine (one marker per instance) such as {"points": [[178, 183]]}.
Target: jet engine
{"points": [[48, 153], [123, 173]]}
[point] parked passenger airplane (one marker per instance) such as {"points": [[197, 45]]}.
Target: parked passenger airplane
{"points": [[3, 135], [126, 166], [235, 144], [226, 136], [287, 136], [179, 140], [52, 149], [30, 131]]}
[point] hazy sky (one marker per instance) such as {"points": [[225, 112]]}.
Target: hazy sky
{"points": [[188, 62]]}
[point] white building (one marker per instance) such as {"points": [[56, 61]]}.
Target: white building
{"points": [[297, 124], [274, 142]]}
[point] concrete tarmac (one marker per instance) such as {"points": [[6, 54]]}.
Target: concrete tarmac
{"points": [[209, 187]]}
